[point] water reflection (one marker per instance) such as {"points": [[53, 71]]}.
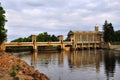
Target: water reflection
{"points": [[84, 58], [34, 59], [103, 63], [109, 63]]}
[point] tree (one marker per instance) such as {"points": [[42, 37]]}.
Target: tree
{"points": [[108, 32], [41, 37], [117, 35], [54, 38], [25, 39], [44, 37], [3, 31]]}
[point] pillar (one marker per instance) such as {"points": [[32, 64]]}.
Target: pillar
{"points": [[34, 43], [60, 38], [73, 41], [88, 43], [82, 39], [95, 38]]}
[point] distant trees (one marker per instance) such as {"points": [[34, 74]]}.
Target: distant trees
{"points": [[25, 39], [108, 32], [42, 37], [3, 31], [54, 38], [117, 36], [45, 37]]}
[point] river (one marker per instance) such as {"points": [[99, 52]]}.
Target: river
{"points": [[76, 65]]}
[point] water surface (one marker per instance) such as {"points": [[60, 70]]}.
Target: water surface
{"points": [[76, 65]]}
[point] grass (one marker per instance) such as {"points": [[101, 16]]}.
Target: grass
{"points": [[116, 43], [14, 70], [13, 73]]}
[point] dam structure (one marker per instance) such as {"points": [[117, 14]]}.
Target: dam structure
{"points": [[77, 40]]}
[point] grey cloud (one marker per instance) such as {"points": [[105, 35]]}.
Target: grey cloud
{"points": [[58, 16]]}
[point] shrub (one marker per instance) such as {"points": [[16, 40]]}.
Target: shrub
{"points": [[13, 73]]}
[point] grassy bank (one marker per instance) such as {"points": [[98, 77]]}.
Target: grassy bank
{"points": [[116, 43]]}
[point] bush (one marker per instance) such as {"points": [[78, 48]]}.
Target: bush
{"points": [[13, 73], [116, 43], [14, 70]]}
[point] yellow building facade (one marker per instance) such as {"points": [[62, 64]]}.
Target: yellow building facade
{"points": [[86, 39]]}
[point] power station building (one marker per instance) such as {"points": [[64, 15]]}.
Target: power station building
{"points": [[86, 39]]}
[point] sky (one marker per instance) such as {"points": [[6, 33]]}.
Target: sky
{"points": [[58, 17]]}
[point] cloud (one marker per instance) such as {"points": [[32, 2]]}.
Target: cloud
{"points": [[57, 17]]}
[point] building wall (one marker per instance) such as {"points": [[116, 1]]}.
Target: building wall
{"points": [[85, 36], [86, 39]]}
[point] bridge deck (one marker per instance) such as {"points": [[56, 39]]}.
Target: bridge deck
{"points": [[62, 44], [47, 43]]}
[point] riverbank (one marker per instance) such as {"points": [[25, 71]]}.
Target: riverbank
{"points": [[13, 68]]}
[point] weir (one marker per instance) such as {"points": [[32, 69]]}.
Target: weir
{"points": [[64, 45], [77, 40]]}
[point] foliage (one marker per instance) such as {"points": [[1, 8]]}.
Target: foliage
{"points": [[116, 43], [3, 31], [45, 37], [54, 38], [67, 39], [117, 35], [108, 32], [14, 70], [42, 37], [13, 73], [25, 39]]}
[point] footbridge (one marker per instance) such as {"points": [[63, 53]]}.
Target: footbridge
{"points": [[36, 44]]}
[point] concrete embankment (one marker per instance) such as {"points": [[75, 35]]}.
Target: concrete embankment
{"points": [[13, 68], [115, 47]]}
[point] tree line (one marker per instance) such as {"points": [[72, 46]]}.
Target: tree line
{"points": [[117, 36], [41, 37]]}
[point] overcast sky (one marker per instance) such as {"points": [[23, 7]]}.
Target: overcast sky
{"points": [[26, 17]]}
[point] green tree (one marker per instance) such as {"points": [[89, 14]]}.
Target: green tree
{"points": [[108, 32], [25, 39], [3, 31], [47, 37], [54, 38], [117, 35], [44, 37]]}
